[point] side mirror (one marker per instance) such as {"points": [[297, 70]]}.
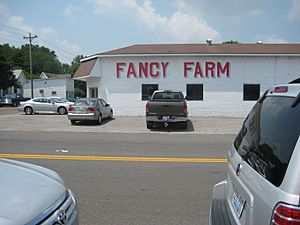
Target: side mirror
{"points": [[107, 105], [188, 98]]}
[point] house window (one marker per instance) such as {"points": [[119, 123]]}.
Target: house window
{"points": [[147, 90], [42, 91], [251, 92], [93, 92], [194, 92], [53, 93]]}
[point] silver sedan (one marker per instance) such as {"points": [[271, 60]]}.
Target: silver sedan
{"points": [[43, 105], [89, 109], [31, 194]]}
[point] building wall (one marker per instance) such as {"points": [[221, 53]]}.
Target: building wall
{"points": [[222, 96], [49, 87]]}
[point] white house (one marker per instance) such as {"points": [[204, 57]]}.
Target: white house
{"points": [[20, 76], [49, 84], [221, 79]]}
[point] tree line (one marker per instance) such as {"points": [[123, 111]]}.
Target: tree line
{"points": [[43, 60]]}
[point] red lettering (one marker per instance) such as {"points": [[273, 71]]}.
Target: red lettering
{"points": [[164, 67], [131, 70], [143, 69], [223, 70], [119, 68], [187, 68], [198, 70], [154, 72], [210, 67]]}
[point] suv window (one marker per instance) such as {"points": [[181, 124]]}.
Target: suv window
{"points": [[269, 135]]}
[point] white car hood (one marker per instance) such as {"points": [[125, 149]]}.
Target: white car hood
{"points": [[26, 191]]}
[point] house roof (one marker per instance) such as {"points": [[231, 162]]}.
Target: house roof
{"points": [[57, 76], [87, 64], [85, 68], [17, 73], [206, 49]]}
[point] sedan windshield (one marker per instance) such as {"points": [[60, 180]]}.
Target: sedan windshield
{"points": [[84, 102]]}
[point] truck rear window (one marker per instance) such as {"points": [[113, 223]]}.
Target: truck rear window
{"points": [[167, 96], [268, 137]]}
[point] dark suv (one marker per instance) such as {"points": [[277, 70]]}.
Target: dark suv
{"points": [[263, 173]]}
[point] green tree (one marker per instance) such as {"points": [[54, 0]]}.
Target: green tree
{"points": [[7, 78], [231, 42]]}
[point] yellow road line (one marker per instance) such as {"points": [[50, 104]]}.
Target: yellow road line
{"points": [[113, 158]]}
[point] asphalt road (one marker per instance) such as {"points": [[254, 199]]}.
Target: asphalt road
{"points": [[127, 177]]}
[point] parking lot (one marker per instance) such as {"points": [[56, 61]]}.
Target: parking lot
{"points": [[121, 172], [12, 120]]}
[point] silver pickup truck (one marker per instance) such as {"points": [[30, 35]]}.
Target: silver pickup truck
{"points": [[166, 106]]}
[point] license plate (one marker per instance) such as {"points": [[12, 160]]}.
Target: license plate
{"points": [[238, 203], [165, 118]]}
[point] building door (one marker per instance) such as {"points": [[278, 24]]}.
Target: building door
{"points": [[93, 92]]}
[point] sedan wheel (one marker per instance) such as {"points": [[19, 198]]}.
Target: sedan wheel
{"points": [[62, 110], [28, 110], [111, 114], [99, 119]]}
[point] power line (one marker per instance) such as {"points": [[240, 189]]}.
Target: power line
{"points": [[44, 39]]}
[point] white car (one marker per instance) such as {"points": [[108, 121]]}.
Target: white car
{"points": [[31, 194], [62, 100], [43, 105]]}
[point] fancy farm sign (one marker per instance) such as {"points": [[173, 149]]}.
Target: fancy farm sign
{"points": [[141, 70]]}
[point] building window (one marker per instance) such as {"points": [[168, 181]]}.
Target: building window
{"points": [[53, 93], [42, 91], [147, 90], [194, 92], [251, 92], [93, 92]]}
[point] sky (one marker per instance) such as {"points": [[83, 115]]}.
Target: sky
{"points": [[87, 27]]}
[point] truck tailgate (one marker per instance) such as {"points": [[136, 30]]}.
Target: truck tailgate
{"points": [[166, 108]]}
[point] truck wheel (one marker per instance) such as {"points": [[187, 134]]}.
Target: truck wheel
{"points": [[62, 110], [28, 110], [184, 125], [149, 124]]}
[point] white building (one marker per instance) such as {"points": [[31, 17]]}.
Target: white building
{"points": [[21, 78], [221, 79], [49, 84]]}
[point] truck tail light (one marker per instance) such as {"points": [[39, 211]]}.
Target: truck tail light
{"points": [[285, 214], [185, 107], [91, 109], [147, 107], [71, 108]]}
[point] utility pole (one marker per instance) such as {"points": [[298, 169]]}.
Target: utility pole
{"points": [[30, 37]]}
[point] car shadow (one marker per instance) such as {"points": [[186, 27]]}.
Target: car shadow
{"points": [[93, 123], [173, 127]]}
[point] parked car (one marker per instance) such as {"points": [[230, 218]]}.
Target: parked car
{"points": [[166, 106], [31, 194], [263, 179], [43, 105], [89, 109], [62, 100], [12, 99]]}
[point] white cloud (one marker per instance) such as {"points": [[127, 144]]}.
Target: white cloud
{"points": [[70, 9], [294, 13], [237, 9], [179, 27], [16, 27]]}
